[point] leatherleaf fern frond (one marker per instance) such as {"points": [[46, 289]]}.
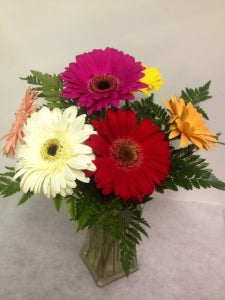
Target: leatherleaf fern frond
{"points": [[123, 221], [189, 170], [49, 87], [9, 186], [147, 108], [131, 236], [197, 95], [85, 206]]}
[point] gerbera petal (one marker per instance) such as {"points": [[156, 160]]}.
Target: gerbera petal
{"points": [[81, 149], [167, 104], [174, 134], [133, 160], [17, 131], [141, 133], [81, 176], [54, 155], [99, 145], [197, 142], [107, 76], [188, 123], [183, 140], [152, 78]]}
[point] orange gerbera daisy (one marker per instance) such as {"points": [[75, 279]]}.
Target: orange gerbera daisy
{"points": [[16, 133], [188, 123]]}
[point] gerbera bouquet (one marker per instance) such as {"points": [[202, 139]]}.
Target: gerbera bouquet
{"points": [[92, 145]]}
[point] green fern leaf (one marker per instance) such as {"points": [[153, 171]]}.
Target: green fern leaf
{"points": [[10, 168], [189, 171], [139, 228], [127, 250], [71, 206], [49, 87], [25, 197], [83, 220], [146, 108], [8, 186], [201, 111], [196, 95], [215, 182], [58, 202], [8, 174], [131, 236]]}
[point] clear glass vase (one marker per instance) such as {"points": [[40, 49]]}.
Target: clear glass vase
{"points": [[101, 254]]}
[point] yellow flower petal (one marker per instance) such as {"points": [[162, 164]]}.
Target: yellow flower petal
{"points": [[183, 140], [197, 142], [174, 134], [167, 104], [152, 78]]}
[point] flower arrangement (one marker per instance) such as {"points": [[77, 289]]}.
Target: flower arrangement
{"points": [[92, 145]]}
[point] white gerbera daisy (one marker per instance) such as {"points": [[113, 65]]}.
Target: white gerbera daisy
{"points": [[53, 155]]}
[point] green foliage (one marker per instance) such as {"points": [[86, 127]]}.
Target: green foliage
{"points": [[146, 108], [201, 111], [121, 220], [84, 208], [112, 220], [49, 87], [9, 186], [131, 236], [25, 197], [189, 171], [58, 202], [197, 95]]}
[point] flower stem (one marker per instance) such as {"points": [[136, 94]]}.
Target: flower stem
{"points": [[127, 104]]}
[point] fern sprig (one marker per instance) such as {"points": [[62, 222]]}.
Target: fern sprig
{"points": [[9, 186], [197, 95], [49, 87], [189, 171], [131, 237], [147, 108], [121, 221]]}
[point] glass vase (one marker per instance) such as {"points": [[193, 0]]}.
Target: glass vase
{"points": [[101, 254]]}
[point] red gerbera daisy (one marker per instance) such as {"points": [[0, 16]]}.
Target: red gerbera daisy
{"points": [[131, 159], [101, 78]]}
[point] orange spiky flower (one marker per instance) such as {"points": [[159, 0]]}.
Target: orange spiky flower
{"points": [[188, 123], [16, 133]]}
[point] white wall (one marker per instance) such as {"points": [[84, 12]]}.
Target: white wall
{"points": [[185, 40]]}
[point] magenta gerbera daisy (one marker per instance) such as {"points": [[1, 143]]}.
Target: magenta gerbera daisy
{"points": [[101, 78], [131, 159]]}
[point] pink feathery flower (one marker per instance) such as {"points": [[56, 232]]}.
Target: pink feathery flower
{"points": [[16, 133], [102, 78]]}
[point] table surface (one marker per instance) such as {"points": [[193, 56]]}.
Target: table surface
{"points": [[183, 258]]}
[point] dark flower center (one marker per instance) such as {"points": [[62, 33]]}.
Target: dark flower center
{"points": [[103, 83], [52, 149], [126, 153]]}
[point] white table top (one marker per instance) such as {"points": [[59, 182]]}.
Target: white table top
{"points": [[183, 258]]}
